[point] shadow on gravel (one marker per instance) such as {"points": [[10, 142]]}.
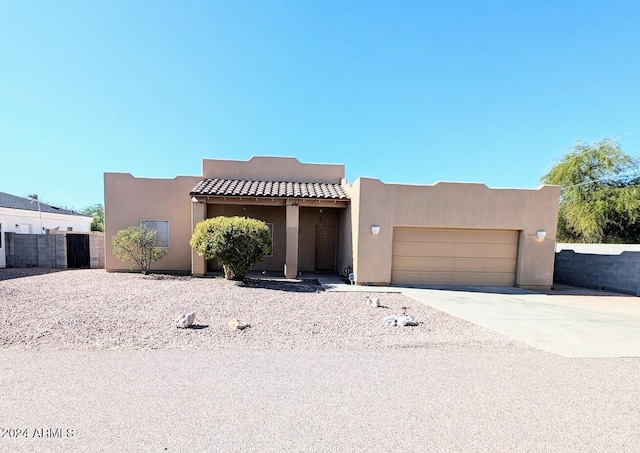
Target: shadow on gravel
{"points": [[304, 286], [9, 274], [198, 326]]}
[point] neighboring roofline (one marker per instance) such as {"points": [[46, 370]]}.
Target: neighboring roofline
{"points": [[9, 211], [10, 201]]}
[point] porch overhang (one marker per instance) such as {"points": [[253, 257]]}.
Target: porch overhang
{"points": [[272, 190], [291, 195], [264, 201]]}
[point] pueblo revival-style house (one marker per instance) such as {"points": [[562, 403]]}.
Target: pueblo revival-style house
{"points": [[398, 234]]}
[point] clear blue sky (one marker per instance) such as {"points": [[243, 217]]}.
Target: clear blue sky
{"points": [[412, 92]]}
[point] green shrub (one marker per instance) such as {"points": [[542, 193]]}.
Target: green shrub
{"points": [[137, 244], [236, 242]]}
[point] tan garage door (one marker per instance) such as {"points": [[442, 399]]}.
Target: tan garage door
{"points": [[447, 256]]}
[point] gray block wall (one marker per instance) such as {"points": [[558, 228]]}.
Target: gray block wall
{"points": [[48, 250], [96, 251], [21, 250], [611, 271]]}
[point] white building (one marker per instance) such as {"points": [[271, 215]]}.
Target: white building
{"points": [[25, 216]]}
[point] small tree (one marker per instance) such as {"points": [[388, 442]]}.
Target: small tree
{"points": [[97, 212], [137, 244], [236, 242]]}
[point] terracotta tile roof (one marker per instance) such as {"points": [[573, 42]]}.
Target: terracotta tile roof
{"points": [[242, 188]]}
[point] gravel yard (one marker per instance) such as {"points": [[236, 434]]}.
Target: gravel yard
{"points": [[95, 310], [96, 354]]}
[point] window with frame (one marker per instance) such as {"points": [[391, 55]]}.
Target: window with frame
{"points": [[161, 228]]}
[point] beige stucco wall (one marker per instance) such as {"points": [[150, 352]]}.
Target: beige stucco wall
{"points": [[263, 168], [350, 216], [127, 200], [452, 205]]}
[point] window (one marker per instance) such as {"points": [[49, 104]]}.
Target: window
{"points": [[270, 225], [69, 228], [162, 229], [0, 235]]}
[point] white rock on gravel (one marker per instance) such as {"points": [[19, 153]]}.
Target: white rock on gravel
{"points": [[372, 301], [185, 321], [236, 324], [404, 320]]}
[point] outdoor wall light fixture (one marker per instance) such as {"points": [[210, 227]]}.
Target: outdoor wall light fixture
{"points": [[541, 234], [375, 229]]}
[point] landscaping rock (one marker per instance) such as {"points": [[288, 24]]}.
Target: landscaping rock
{"points": [[404, 320], [185, 321], [236, 324], [372, 301], [390, 321]]}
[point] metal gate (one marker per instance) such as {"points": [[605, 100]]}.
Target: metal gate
{"points": [[78, 251]]}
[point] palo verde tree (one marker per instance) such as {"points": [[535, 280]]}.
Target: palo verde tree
{"points": [[236, 242], [600, 194], [137, 245]]}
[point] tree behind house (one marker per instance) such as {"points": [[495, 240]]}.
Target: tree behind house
{"points": [[600, 198], [137, 245], [97, 212]]}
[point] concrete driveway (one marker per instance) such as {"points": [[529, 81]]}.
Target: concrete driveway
{"points": [[568, 321]]}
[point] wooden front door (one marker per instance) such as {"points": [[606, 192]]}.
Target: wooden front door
{"points": [[325, 248]]}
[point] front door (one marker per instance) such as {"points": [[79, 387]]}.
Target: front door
{"points": [[325, 248]]}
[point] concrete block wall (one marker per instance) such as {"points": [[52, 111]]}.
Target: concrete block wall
{"points": [[60, 251], [96, 251], [9, 240], [22, 250], [48, 250], [615, 267]]}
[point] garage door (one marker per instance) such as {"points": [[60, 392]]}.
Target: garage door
{"points": [[446, 256]]}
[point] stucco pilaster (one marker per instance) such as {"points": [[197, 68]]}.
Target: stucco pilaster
{"points": [[293, 228], [198, 263]]}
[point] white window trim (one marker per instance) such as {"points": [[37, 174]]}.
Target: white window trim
{"points": [[168, 231]]}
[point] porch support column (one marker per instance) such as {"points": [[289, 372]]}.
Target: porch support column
{"points": [[293, 228], [198, 263]]}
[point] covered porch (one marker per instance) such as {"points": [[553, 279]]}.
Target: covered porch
{"points": [[305, 219]]}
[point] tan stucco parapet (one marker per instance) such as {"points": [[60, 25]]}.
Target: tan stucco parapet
{"points": [[272, 168], [128, 200], [451, 205]]}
